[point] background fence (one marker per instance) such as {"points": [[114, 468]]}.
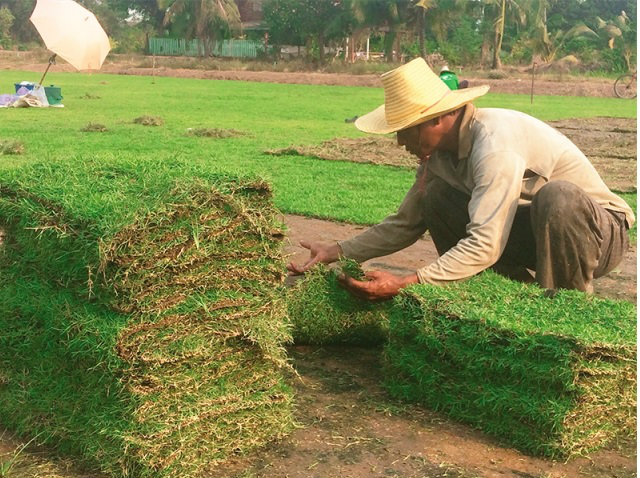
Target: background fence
{"points": [[225, 48]]}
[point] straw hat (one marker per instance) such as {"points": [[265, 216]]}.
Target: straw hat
{"points": [[414, 94]]}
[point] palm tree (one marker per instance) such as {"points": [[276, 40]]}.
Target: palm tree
{"points": [[385, 15], [548, 44], [503, 8], [423, 6], [614, 30], [205, 19]]}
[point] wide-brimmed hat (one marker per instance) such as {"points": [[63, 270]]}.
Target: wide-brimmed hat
{"points": [[414, 94]]}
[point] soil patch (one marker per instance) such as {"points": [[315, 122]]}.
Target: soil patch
{"points": [[94, 127], [11, 147], [35, 462], [149, 120], [517, 81], [560, 86], [350, 429], [611, 144]]}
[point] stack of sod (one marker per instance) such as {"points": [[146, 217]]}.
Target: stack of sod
{"points": [[142, 316], [551, 376], [324, 313]]}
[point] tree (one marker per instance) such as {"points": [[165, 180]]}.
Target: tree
{"points": [[617, 32], [313, 22], [22, 30], [363, 16], [456, 28], [284, 21], [388, 16], [546, 44], [139, 20], [607, 21], [150, 12], [439, 17], [500, 9], [205, 20], [105, 13], [6, 20], [423, 6], [592, 26]]}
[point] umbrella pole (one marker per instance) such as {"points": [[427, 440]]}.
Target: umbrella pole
{"points": [[52, 61]]}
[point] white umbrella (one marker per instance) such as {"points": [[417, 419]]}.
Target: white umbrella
{"points": [[71, 31]]}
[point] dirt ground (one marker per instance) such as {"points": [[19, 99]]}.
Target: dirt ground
{"points": [[348, 427], [515, 81], [602, 88]]}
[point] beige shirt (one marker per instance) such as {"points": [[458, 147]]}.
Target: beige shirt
{"points": [[504, 158]]}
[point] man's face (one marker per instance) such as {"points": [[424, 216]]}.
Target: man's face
{"points": [[422, 139]]}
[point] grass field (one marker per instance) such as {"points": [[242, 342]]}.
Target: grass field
{"points": [[271, 115], [89, 174]]}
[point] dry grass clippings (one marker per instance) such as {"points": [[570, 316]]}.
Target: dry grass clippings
{"points": [[373, 150], [149, 120], [94, 128], [215, 132], [26, 462], [11, 147]]}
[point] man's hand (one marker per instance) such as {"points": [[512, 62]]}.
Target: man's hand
{"points": [[379, 285], [319, 252]]}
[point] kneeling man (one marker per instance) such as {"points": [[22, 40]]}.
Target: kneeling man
{"points": [[495, 188]]}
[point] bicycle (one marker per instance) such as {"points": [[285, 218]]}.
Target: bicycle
{"points": [[626, 86]]}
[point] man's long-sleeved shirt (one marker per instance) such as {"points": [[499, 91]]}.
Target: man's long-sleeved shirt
{"points": [[504, 157]]}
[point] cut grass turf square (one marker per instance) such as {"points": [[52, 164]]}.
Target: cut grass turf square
{"points": [[550, 376], [324, 313], [143, 318]]}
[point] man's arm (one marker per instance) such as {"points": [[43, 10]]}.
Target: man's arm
{"points": [[492, 207], [394, 233]]}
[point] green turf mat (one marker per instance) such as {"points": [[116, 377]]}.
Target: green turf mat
{"points": [[550, 376], [323, 313], [143, 315]]}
